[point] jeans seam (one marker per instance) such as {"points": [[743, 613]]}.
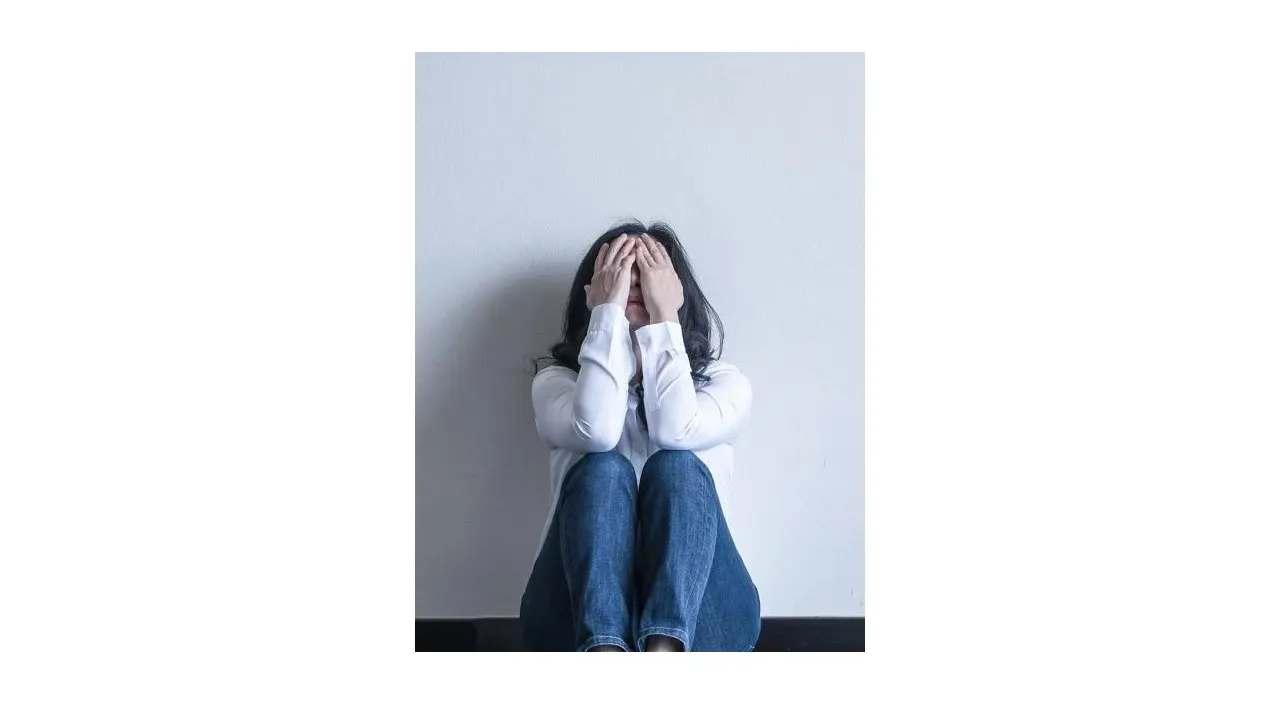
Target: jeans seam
{"points": [[593, 641]]}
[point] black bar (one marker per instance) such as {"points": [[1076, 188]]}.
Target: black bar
{"points": [[812, 635]]}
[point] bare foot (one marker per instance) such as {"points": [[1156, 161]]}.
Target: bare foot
{"points": [[606, 649]]}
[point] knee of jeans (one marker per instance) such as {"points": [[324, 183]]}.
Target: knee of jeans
{"points": [[603, 466], [674, 470]]}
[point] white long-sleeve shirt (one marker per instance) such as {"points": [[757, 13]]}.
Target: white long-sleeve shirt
{"points": [[596, 409]]}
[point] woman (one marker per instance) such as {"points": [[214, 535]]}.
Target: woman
{"points": [[640, 416]]}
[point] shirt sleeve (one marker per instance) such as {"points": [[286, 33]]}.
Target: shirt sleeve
{"points": [[680, 416], [585, 412]]}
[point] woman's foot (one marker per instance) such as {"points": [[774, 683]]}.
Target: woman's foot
{"points": [[662, 644], [606, 649]]}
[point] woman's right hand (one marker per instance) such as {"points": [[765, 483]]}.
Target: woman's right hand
{"points": [[611, 282]]}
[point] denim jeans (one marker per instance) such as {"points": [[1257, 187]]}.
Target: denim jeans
{"points": [[623, 562]]}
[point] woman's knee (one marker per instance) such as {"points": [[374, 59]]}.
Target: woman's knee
{"points": [[675, 470], [602, 468]]}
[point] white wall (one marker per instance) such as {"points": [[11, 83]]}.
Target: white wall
{"points": [[756, 160]]}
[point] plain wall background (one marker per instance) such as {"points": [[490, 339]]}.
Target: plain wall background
{"points": [[756, 160]]}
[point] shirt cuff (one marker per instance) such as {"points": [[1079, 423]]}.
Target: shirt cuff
{"points": [[658, 338], [607, 317]]}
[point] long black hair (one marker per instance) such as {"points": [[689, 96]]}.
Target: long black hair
{"points": [[698, 320]]}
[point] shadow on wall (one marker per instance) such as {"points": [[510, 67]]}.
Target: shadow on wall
{"points": [[482, 481]]}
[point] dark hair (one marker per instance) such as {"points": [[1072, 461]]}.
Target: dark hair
{"points": [[698, 320]]}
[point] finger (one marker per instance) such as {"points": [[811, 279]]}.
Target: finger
{"points": [[610, 255], [647, 242], [622, 281], [616, 249], [661, 256], [628, 250], [600, 255], [645, 259], [655, 250]]}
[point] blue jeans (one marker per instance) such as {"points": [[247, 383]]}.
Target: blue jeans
{"points": [[623, 562]]}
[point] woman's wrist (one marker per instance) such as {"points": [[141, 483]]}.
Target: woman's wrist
{"points": [[664, 317]]}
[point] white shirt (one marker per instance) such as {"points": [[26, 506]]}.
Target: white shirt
{"points": [[595, 409]]}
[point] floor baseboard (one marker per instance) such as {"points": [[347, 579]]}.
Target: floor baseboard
{"points": [[837, 634]]}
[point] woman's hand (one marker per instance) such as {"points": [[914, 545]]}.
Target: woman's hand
{"points": [[611, 282], [663, 292]]}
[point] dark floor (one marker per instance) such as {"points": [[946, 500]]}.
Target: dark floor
{"points": [[776, 634]]}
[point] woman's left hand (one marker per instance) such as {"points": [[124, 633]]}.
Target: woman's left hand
{"points": [[659, 283]]}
